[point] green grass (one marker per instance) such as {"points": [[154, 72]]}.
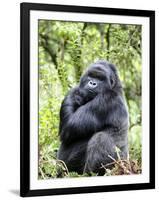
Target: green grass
{"points": [[51, 167]]}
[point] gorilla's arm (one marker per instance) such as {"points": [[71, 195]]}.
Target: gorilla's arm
{"points": [[78, 121], [102, 112]]}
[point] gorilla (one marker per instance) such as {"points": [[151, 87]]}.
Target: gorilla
{"points": [[94, 121]]}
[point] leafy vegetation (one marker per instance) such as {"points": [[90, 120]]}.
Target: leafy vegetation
{"points": [[65, 50]]}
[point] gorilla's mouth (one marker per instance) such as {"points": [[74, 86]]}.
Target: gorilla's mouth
{"points": [[91, 90], [91, 93]]}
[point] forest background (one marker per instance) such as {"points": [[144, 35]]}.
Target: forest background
{"points": [[65, 51]]}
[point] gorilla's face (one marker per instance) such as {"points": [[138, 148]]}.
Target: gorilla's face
{"points": [[99, 78]]}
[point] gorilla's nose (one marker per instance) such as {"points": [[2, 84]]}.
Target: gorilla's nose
{"points": [[92, 84]]}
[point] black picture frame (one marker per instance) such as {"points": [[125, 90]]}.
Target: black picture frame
{"points": [[25, 9]]}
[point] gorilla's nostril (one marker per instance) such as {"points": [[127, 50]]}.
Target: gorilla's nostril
{"points": [[92, 84]]}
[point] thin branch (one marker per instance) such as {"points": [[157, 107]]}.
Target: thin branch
{"points": [[78, 53], [108, 40], [42, 173], [64, 166], [45, 45], [120, 164], [58, 66]]}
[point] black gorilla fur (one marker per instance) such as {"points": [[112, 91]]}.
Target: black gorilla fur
{"points": [[94, 120]]}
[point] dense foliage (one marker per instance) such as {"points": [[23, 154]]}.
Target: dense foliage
{"points": [[65, 50]]}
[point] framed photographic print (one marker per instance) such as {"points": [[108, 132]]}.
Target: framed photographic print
{"points": [[87, 99]]}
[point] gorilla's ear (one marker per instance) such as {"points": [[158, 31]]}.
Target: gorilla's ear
{"points": [[112, 81], [113, 77]]}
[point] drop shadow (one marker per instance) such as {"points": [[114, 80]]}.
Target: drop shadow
{"points": [[15, 192]]}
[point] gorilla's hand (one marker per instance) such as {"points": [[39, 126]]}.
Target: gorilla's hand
{"points": [[82, 96], [79, 100]]}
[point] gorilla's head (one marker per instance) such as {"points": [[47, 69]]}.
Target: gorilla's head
{"points": [[100, 77]]}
